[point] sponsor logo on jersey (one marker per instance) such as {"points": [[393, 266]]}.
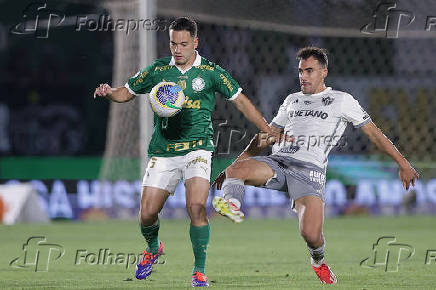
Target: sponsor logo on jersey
{"points": [[291, 149], [181, 146], [317, 177], [182, 84], [191, 104], [163, 68], [365, 114], [140, 77], [308, 113], [295, 101], [327, 100], [226, 82], [196, 160], [307, 102], [205, 66], [198, 84]]}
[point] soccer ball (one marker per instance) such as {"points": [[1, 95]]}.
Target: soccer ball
{"points": [[166, 99]]}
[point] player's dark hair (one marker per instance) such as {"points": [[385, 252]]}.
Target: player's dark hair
{"points": [[184, 23], [320, 54]]}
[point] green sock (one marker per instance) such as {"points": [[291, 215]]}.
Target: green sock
{"points": [[200, 240], [150, 234]]}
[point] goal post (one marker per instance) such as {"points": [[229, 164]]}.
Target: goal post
{"points": [[130, 124], [147, 49]]}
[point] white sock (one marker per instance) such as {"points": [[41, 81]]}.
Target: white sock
{"points": [[317, 264], [317, 255], [233, 189]]}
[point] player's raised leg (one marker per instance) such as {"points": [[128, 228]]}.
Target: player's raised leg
{"points": [[197, 191], [244, 172], [152, 201], [310, 210]]}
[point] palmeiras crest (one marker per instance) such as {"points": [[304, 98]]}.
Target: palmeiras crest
{"points": [[198, 84]]}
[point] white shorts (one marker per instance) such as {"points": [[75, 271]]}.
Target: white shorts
{"points": [[166, 172]]}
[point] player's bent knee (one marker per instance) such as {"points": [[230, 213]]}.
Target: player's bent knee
{"points": [[230, 171], [237, 170]]}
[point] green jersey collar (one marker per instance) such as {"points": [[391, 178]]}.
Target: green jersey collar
{"points": [[197, 62]]}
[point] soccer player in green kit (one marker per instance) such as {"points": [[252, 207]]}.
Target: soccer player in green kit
{"points": [[181, 146]]}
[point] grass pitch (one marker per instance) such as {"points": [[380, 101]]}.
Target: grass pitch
{"points": [[257, 254]]}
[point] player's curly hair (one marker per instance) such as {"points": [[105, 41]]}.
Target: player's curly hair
{"points": [[318, 53], [184, 23]]}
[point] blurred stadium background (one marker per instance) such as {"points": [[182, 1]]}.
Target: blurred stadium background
{"points": [[83, 157], [64, 155]]}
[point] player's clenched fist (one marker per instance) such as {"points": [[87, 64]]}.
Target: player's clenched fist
{"points": [[103, 90]]}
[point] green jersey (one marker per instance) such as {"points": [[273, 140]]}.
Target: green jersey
{"points": [[191, 129]]}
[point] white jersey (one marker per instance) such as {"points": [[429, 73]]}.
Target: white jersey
{"points": [[316, 122]]}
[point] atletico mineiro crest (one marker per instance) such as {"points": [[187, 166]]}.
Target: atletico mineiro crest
{"points": [[327, 100]]}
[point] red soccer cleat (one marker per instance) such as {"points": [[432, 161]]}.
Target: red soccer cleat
{"points": [[199, 280], [325, 274], [147, 260]]}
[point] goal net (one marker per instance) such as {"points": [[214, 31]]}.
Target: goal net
{"points": [[391, 72], [130, 124]]}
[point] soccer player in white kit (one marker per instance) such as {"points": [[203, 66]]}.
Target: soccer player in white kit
{"points": [[316, 118]]}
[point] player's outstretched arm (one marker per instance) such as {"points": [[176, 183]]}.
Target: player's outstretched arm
{"points": [[407, 173], [119, 95], [251, 113]]}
